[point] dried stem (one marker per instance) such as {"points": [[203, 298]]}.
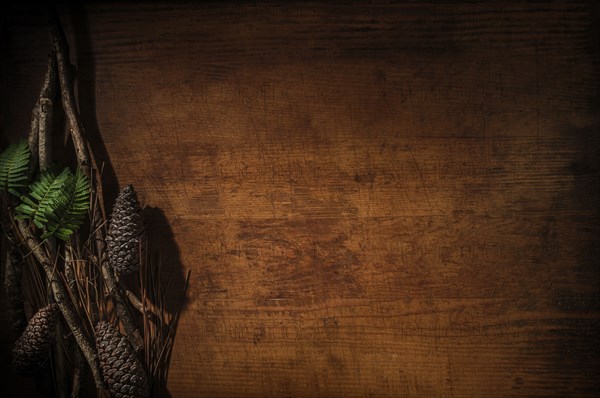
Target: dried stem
{"points": [[134, 300], [99, 210], [61, 297], [122, 312], [71, 279], [159, 326], [148, 310]]}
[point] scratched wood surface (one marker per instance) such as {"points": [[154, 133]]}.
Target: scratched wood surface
{"points": [[375, 201]]}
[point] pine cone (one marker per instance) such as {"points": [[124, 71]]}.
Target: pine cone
{"points": [[125, 233], [121, 369], [32, 348]]}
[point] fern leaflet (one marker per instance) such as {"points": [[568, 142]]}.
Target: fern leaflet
{"points": [[57, 202], [14, 163], [43, 193], [69, 208]]}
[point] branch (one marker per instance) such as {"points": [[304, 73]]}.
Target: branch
{"points": [[46, 113], [50, 85], [69, 267], [149, 311], [99, 214], [132, 333], [135, 301], [33, 140], [61, 297], [61, 48], [83, 159], [41, 120]]}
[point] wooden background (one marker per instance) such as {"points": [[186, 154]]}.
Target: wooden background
{"points": [[375, 200]]}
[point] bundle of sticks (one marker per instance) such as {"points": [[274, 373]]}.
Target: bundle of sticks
{"points": [[84, 310]]}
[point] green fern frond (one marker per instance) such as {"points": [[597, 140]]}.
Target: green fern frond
{"points": [[42, 194], [69, 208], [14, 164], [57, 202]]}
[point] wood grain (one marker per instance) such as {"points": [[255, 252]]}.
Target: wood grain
{"points": [[375, 200]]}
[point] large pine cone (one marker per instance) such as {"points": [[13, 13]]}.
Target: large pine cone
{"points": [[32, 348], [125, 233], [121, 370]]}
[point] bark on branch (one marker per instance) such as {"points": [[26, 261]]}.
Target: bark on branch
{"points": [[115, 292], [41, 118], [61, 49]]}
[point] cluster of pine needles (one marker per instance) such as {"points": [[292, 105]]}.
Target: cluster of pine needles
{"points": [[86, 299]]}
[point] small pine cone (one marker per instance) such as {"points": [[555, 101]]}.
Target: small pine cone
{"points": [[121, 369], [125, 233], [32, 348], [12, 286]]}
